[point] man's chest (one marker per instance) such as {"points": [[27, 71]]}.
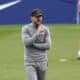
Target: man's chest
{"points": [[40, 37], [33, 31]]}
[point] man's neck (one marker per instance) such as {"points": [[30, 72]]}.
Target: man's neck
{"points": [[36, 25]]}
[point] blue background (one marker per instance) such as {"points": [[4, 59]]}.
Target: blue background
{"points": [[55, 11]]}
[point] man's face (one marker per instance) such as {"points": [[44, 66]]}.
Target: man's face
{"points": [[36, 19]]}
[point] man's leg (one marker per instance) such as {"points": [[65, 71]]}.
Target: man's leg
{"points": [[31, 73], [41, 75], [41, 71]]}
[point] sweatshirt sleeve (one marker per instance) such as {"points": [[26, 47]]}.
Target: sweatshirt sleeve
{"points": [[26, 38], [46, 45]]}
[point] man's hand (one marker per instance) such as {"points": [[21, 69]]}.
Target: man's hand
{"points": [[41, 35], [40, 29]]}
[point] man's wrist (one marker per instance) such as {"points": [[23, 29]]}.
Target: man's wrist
{"points": [[34, 37]]}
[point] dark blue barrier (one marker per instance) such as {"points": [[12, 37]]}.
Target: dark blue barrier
{"points": [[55, 11]]}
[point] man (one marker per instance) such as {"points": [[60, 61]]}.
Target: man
{"points": [[36, 39]]}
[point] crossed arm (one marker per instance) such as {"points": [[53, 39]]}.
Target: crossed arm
{"points": [[28, 40]]}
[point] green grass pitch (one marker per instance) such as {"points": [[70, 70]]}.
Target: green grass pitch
{"points": [[65, 44]]}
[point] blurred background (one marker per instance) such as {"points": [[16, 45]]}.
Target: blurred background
{"points": [[55, 11], [62, 17]]}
